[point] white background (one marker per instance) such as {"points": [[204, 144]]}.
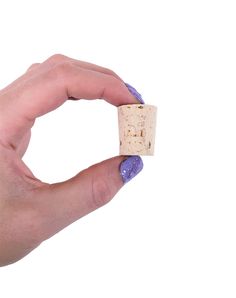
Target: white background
{"points": [[171, 231]]}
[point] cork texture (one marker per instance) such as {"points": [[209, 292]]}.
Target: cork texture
{"points": [[137, 129]]}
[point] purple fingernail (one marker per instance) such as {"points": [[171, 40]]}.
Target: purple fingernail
{"points": [[135, 93], [130, 167]]}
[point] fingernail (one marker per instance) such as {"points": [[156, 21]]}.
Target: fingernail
{"points": [[135, 93], [130, 167]]}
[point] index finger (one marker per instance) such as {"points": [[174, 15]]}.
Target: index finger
{"points": [[50, 89]]}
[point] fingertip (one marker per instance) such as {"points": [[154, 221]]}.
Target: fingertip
{"points": [[130, 168], [135, 93], [127, 95], [120, 94]]}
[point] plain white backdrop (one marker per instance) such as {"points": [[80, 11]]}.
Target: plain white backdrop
{"points": [[171, 231]]}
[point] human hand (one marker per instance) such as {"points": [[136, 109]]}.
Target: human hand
{"points": [[32, 211]]}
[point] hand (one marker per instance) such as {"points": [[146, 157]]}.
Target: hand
{"points": [[32, 211]]}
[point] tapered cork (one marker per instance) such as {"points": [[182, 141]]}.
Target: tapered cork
{"points": [[137, 126]]}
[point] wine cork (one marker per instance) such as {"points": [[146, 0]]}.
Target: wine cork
{"points": [[137, 126]]}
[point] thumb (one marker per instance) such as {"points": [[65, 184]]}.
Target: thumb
{"points": [[62, 203]]}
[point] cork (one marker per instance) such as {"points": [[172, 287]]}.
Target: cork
{"points": [[137, 126]]}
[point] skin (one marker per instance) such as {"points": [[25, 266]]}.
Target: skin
{"points": [[31, 211]]}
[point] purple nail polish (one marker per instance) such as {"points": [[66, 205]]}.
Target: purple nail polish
{"points": [[130, 167], [135, 93]]}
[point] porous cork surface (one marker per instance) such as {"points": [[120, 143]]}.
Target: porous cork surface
{"points": [[137, 127]]}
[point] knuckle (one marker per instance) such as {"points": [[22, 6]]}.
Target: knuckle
{"points": [[33, 66], [101, 192], [57, 58], [62, 69]]}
